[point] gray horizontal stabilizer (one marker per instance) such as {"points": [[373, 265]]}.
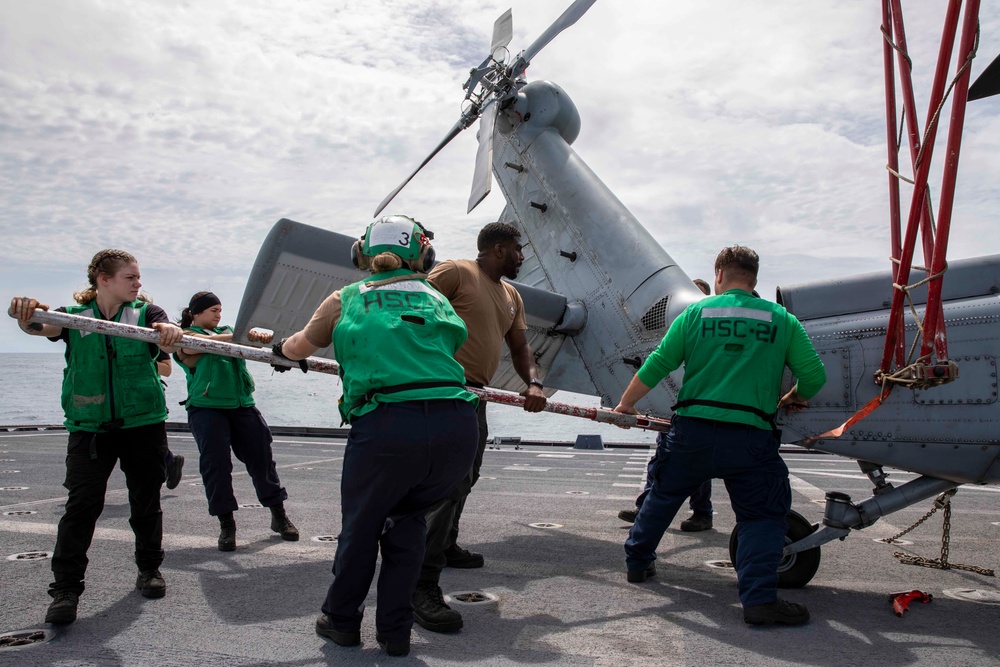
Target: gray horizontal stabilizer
{"points": [[299, 265]]}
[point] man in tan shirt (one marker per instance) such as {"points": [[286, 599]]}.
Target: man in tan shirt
{"points": [[494, 314]]}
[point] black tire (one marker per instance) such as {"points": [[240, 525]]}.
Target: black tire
{"points": [[794, 571]]}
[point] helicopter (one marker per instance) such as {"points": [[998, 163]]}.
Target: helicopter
{"points": [[912, 369]]}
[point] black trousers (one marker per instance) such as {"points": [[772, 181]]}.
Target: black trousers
{"points": [[90, 459], [243, 432], [442, 521], [401, 459]]}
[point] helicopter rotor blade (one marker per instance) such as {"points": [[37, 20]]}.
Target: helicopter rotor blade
{"points": [[503, 31], [452, 133], [482, 179], [988, 82], [568, 18], [490, 84]]}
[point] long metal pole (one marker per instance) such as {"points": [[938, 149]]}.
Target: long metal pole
{"points": [[905, 65], [188, 342], [319, 365], [913, 131], [893, 152], [922, 172], [934, 333], [890, 134]]}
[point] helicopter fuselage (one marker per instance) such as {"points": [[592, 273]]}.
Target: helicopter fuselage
{"points": [[585, 245]]}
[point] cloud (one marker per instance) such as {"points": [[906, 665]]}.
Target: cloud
{"points": [[182, 132]]}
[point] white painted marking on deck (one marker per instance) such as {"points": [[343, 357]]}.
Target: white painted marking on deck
{"points": [[824, 473], [627, 486], [820, 458], [633, 476], [805, 488], [527, 469], [170, 540], [976, 487], [319, 442], [556, 456], [310, 442], [310, 463]]}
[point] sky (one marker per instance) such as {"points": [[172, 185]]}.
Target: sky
{"points": [[182, 131]]}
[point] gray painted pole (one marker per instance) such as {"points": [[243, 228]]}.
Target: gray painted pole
{"points": [[319, 365]]}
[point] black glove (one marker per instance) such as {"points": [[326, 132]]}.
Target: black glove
{"points": [[276, 350]]}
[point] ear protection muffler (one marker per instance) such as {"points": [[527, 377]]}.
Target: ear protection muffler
{"points": [[358, 258], [399, 234], [425, 260]]}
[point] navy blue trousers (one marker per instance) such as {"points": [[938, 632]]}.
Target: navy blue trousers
{"points": [[243, 432], [747, 459], [701, 499], [443, 520], [401, 460], [90, 460]]}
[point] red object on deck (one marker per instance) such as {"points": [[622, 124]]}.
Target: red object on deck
{"points": [[901, 601]]}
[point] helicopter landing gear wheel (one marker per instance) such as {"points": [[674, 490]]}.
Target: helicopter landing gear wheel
{"points": [[796, 570]]}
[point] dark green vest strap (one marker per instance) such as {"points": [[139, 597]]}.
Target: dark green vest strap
{"points": [[768, 417], [392, 389]]}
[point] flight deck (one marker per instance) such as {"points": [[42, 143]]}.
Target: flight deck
{"points": [[552, 592]]}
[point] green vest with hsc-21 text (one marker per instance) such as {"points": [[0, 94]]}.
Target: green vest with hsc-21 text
{"points": [[395, 334]]}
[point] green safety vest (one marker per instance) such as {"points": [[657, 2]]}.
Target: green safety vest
{"points": [[110, 382], [390, 337], [217, 381], [734, 347]]}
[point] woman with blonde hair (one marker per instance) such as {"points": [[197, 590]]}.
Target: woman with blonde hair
{"points": [[413, 424], [115, 413]]}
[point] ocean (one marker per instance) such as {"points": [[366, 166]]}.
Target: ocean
{"points": [[30, 384]]}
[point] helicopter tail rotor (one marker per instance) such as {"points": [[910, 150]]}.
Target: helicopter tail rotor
{"points": [[488, 87], [482, 178], [568, 18], [503, 32]]}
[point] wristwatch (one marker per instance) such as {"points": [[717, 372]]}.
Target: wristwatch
{"points": [[536, 382]]}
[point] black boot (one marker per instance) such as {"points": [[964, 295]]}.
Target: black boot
{"points": [[697, 523], [151, 584], [628, 515], [779, 612], [458, 557], [430, 611], [227, 534], [395, 648], [280, 523], [63, 608], [324, 629], [174, 471]]}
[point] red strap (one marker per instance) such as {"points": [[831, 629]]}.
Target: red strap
{"points": [[866, 410]]}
